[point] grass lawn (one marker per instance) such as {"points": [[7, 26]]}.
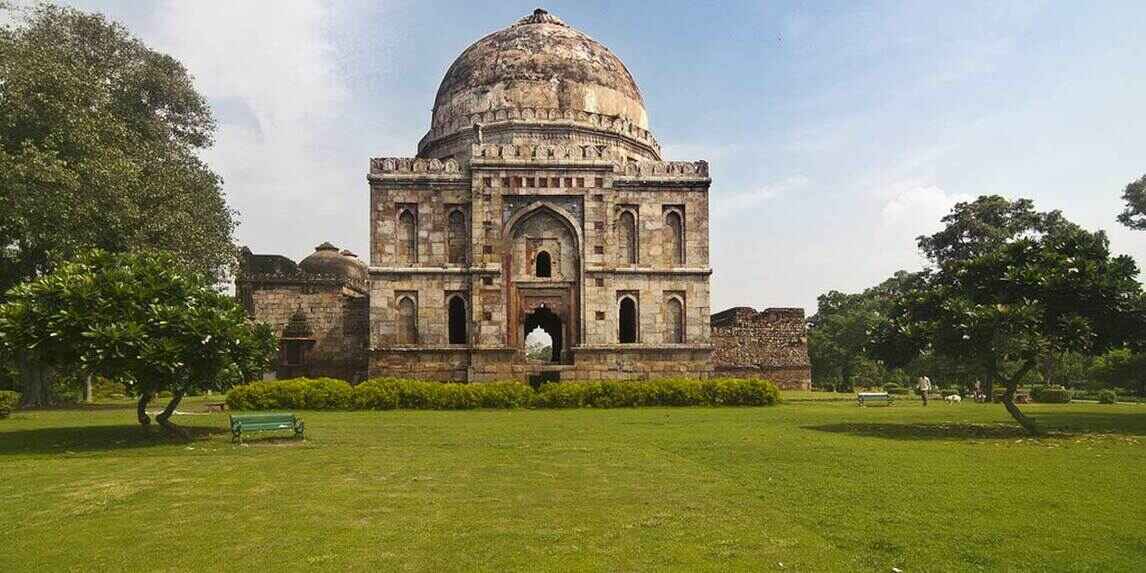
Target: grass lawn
{"points": [[810, 485]]}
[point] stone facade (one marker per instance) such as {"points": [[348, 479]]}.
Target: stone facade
{"points": [[772, 343], [327, 310], [544, 171], [537, 199]]}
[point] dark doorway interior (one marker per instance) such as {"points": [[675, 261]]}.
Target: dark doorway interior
{"points": [[628, 320], [457, 320], [549, 322], [544, 265]]}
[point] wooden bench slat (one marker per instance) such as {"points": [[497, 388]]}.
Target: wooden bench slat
{"points": [[264, 422]]}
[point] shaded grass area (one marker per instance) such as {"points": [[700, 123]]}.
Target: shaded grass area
{"points": [[812, 485]]}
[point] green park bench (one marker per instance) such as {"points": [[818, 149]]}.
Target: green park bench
{"points": [[863, 398], [264, 423]]}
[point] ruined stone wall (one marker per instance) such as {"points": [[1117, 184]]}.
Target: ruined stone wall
{"points": [[769, 344], [338, 317]]}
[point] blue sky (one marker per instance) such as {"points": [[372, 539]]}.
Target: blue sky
{"points": [[837, 132]]}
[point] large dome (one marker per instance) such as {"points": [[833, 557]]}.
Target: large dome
{"points": [[539, 69]]}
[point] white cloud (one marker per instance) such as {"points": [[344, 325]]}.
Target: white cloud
{"points": [[917, 204], [271, 74]]}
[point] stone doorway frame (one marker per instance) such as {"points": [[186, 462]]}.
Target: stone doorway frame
{"points": [[563, 298]]}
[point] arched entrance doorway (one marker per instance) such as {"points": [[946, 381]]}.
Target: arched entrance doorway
{"points": [[550, 323], [544, 267]]}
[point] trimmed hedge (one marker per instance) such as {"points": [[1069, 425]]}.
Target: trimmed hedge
{"points": [[392, 393], [8, 402], [1107, 397], [1054, 395]]}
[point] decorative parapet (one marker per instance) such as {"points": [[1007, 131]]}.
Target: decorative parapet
{"points": [[413, 166], [665, 169], [302, 279], [609, 123], [545, 152], [590, 153]]}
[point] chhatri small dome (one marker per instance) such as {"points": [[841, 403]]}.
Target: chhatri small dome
{"points": [[536, 70], [326, 260]]}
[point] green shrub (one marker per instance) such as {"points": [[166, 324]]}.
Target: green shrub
{"points": [[1054, 395], [8, 402], [1107, 397], [392, 393], [897, 391], [299, 393], [667, 392], [949, 392], [103, 388]]}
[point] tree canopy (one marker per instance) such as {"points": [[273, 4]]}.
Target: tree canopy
{"points": [[138, 319], [98, 143], [1134, 216], [1009, 285]]}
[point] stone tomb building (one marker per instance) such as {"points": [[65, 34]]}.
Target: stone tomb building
{"points": [[537, 199]]}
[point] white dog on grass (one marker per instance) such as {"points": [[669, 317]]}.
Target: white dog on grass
{"points": [[954, 399]]}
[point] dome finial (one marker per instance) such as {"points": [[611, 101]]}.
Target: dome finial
{"points": [[541, 16]]}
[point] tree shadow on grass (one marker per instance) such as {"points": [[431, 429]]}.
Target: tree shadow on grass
{"points": [[75, 439], [1056, 424]]}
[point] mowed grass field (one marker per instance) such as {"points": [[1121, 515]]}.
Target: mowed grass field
{"points": [[810, 485]]}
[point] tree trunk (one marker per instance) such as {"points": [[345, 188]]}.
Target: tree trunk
{"points": [[37, 386], [1048, 368], [164, 417], [141, 408], [88, 389], [1009, 401]]}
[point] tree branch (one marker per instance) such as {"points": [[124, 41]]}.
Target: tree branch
{"points": [[1009, 400], [164, 417], [141, 408]]}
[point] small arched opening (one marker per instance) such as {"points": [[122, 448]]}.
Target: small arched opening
{"points": [[543, 266], [674, 331], [627, 238], [675, 237], [458, 240], [407, 237], [407, 321], [628, 321], [458, 322]]}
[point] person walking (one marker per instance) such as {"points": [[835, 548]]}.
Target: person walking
{"points": [[924, 386]]}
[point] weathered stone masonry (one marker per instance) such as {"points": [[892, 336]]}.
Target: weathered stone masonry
{"points": [[771, 344], [538, 199]]}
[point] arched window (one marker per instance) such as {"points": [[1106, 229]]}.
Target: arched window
{"points": [[628, 321], [627, 238], [457, 240], [407, 321], [674, 315], [407, 237], [544, 265], [458, 320], [674, 239]]}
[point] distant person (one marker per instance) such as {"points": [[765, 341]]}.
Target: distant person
{"points": [[979, 391], [924, 386]]}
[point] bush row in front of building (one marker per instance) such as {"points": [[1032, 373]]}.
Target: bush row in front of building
{"points": [[391, 393]]}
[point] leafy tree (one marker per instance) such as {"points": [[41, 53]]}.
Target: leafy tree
{"points": [[98, 148], [1121, 368], [138, 319], [1134, 216], [840, 332], [1010, 285]]}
